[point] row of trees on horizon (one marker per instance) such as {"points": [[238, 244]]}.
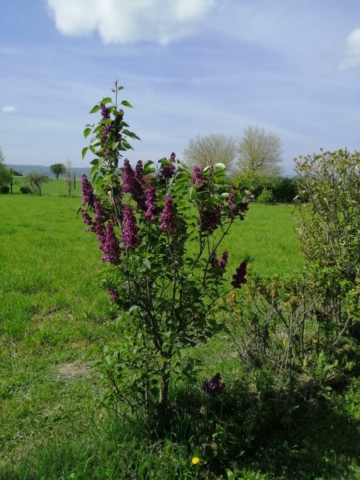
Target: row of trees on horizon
{"points": [[255, 159]]}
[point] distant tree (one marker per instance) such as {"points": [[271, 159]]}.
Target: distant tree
{"points": [[58, 169], [211, 149], [5, 175], [68, 176], [12, 179], [259, 153], [16, 173], [36, 180], [2, 157]]}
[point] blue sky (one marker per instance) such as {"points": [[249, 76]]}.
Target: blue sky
{"points": [[189, 67]]}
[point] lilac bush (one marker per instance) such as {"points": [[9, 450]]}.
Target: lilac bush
{"points": [[159, 227]]}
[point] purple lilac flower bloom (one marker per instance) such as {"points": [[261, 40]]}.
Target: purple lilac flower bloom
{"points": [[104, 111], [86, 217], [198, 178], [230, 201], [242, 209], [132, 185], [209, 219], [99, 221], [213, 386], [130, 230], [239, 277], [151, 209], [111, 247], [87, 220], [223, 260], [139, 172], [169, 170], [113, 294], [87, 192], [213, 259], [105, 133], [168, 216]]}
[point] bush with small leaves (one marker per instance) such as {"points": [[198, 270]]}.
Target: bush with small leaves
{"points": [[4, 189], [165, 291], [266, 196], [25, 189]]}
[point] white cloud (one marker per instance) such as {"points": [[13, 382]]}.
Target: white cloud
{"points": [[124, 21], [8, 109], [352, 51]]}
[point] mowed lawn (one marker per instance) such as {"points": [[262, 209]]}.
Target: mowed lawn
{"points": [[53, 313]]}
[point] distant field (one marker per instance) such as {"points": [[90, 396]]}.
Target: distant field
{"points": [[54, 187], [53, 312]]}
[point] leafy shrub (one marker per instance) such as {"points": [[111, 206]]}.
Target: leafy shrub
{"points": [[285, 190], [266, 196], [164, 291], [4, 189], [25, 189], [330, 221], [295, 331]]}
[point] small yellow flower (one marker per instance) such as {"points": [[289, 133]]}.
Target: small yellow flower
{"points": [[314, 341], [195, 460]]}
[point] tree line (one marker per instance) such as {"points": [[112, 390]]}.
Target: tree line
{"points": [[34, 179], [254, 160]]}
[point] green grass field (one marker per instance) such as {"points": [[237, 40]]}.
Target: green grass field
{"points": [[53, 316], [54, 187]]}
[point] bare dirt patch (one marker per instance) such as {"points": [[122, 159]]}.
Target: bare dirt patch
{"points": [[73, 370]]}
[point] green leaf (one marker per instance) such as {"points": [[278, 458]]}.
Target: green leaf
{"points": [[84, 150], [126, 104], [106, 100], [95, 109], [130, 134], [96, 161], [133, 308], [127, 145], [87, 132], [95, 141], [147, 263], [93, 170]]}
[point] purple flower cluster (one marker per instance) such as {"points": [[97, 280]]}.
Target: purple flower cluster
{"points": [[168, 216], [168, 170], [87, 220], [223, 260], [213, 260], [213, 386], [238, 208], [130, 230], [231, 203], [219, 264], [151, 209], [198, 177], [239, 278], [242, 209], [113, 294], [105, 133], [209, 219], [110, 247], [105, 115], [139, 172], [99, 221], [87, 192], [132, 184], [104, 111]]}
